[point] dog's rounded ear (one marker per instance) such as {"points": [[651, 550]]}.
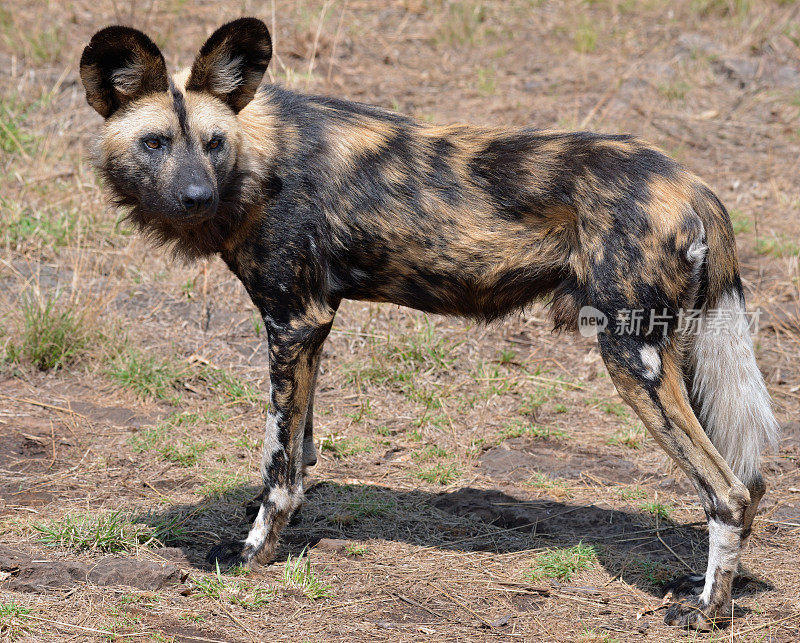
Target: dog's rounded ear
{"points": [[232, 62], [119, 65]]}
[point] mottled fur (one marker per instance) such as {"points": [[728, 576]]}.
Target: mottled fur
{"points": [[318, 200]]}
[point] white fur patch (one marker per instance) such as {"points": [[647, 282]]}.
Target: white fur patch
{"points": [[258, 532], [128, 79], [651, 362], [282, 499], [226, 76], [696, 253], [271, 443], [724, 548], [734, 406]]}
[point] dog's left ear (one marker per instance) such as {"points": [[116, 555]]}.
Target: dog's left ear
{"points": [[232, 62], [119, 65]]}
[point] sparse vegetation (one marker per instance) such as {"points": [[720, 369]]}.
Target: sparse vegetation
{"points": [[13, 136], [674, 90], [544, 482], [585, 37], [343, 447], [630, 436], [230, 387], [564, 563], [52, 332], [185, 453], [354, 504], [237, 592], [519, 428], [223, 482], [355, 550], [741, 222], [300, 575], [147, 375], [655, 573], [110, 532], [13, 617], [657, 509], [462, 24], [439, 473], [405, 362], [777, 245], [632, 493]]}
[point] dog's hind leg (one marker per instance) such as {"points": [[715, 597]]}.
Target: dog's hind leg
{"points": [[648, 376]]}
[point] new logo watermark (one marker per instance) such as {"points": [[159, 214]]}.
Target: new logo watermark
{"points": [[691, 321], [591, 322]]}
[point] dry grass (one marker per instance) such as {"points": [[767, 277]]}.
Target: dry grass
{"points": [[150, 406]]}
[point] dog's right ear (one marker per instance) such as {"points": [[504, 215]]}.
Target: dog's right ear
{"points": [[232, 62], [119, 65]]}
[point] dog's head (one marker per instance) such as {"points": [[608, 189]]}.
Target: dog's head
{"points": [[170, 148]]}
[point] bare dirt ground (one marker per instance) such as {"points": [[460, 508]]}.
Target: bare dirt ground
{"points": [[475, 483]]}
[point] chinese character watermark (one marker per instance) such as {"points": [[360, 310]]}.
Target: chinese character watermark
{"points": [[653, 322]]}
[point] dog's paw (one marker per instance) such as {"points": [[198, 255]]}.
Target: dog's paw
{"points": [[228, 554], [691, 612], [688, 585]]}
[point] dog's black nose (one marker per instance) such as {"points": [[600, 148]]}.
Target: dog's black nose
{"points": [[196, 198]]}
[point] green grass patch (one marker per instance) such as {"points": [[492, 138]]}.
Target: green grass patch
{"points": [[463, 23], [585, 37], [440, 473], [674, 90], [401, 362], [51, 333], [109, 532], [355, 550], [507, 356], [520, 428], [563, 563], [614, 408], [485, 80], [532, 402], [657, 509], [185, 453], [778, 245], [354, 504], [13, 137], [657, 574], [741, 222], [234, 591], [300, 575], [342, 447], [148, 376], [632, 493], [230, 387], [162, 436], [430, 452], [222, 483], [21, 224], [631, 437], [153, 376], [13, 618], [364, 411], [543, 482]]}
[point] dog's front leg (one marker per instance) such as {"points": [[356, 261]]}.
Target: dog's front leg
{"points": [[295, 348]]}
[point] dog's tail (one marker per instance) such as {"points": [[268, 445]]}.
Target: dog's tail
{"points": [[727, 390]]}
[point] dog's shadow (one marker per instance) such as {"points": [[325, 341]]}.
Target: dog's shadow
{"points": [[628, 544]]}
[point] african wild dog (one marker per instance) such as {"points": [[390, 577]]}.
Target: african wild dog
{"points": [[311, 200]]}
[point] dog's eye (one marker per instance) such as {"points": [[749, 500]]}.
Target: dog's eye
{"points": [[215, 143], [152, 142]]}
